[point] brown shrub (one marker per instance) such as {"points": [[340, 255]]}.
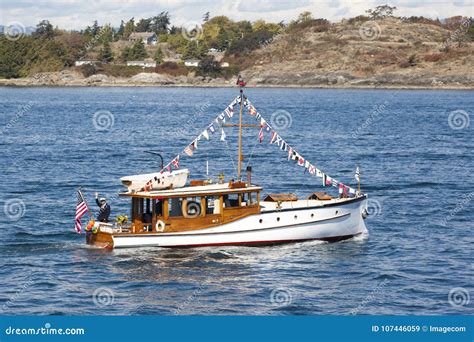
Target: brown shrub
{"points": [[434, 57], [171, 68]]}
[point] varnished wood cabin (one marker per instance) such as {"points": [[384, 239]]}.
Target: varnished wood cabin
{"points": [[192, 207]]}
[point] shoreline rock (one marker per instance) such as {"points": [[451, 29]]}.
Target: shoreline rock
{"points": [[307, 80]]}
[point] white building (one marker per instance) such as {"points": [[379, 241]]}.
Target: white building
{"points": [[143, 64], [192, 62], [85, 62]]}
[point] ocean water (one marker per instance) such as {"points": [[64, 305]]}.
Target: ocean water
{"points": [[415, 150]]}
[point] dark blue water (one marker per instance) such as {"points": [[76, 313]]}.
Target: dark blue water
{"points": [[415, 167]]}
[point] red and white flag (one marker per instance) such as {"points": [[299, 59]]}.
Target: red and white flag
{"points": [[175, 162], [260, 135], [81, 209]]}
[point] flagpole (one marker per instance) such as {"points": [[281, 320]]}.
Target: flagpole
{"points": [[239, 166], [87, 205]]}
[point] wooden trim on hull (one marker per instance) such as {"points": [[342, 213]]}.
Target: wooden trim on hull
{"points": [[266, 243]]}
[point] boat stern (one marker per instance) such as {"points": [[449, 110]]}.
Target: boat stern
{"points": [[100, 238]]}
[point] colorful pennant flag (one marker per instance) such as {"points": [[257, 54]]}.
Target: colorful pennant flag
{"points": [[188, 151], [175, 162], [260, 135]]}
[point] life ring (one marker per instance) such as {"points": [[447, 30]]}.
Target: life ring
{"points": [[160, 226], [191, 209]]}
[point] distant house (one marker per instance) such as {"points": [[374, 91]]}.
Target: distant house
{"points": [[192, 62], [143, 64], [148, 38], [224, 65], [85, 62]]}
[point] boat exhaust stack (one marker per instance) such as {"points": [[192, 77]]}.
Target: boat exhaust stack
{"points": [[249, 175]]}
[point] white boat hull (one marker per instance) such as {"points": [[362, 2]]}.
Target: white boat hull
{"points": [[334, 222]]}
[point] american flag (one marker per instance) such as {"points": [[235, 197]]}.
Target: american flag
{"points": [[81, 209], [260, 135]]}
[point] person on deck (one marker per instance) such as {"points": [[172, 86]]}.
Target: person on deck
{"points": [[104, 208]]}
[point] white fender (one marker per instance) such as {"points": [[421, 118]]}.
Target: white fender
{"points": [[160, 226]]}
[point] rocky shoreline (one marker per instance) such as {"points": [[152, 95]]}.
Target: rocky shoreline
{"points": [[308, 80]]}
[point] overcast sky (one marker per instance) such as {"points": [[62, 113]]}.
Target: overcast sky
{"points": [[73, 14]]}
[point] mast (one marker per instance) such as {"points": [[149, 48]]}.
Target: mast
{"points": [[240, 157]]}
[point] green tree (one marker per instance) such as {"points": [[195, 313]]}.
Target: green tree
{"points": [[44, 30], [136, 52], [209, 67], [95, 28], [144, 25], [381, 11], [160, 23], [129, 28], [121, 29], [12, 56], [304, 17], [158, 56], [105, 53]]}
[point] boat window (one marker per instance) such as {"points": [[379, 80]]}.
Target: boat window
{"points": [[142, 210], [231, 200], [175, 207], [158, 207], [212, 204]]}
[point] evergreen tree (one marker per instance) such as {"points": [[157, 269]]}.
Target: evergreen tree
{"points": [[129, 28], [121, 29], [44, 30], [158, 56], [105, 53]]}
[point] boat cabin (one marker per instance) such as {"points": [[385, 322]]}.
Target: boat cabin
{"points": [[192, 207]]}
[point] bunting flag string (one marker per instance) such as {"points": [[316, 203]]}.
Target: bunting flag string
{"points": [[265, 128], [276, 139], [193, 146]]}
